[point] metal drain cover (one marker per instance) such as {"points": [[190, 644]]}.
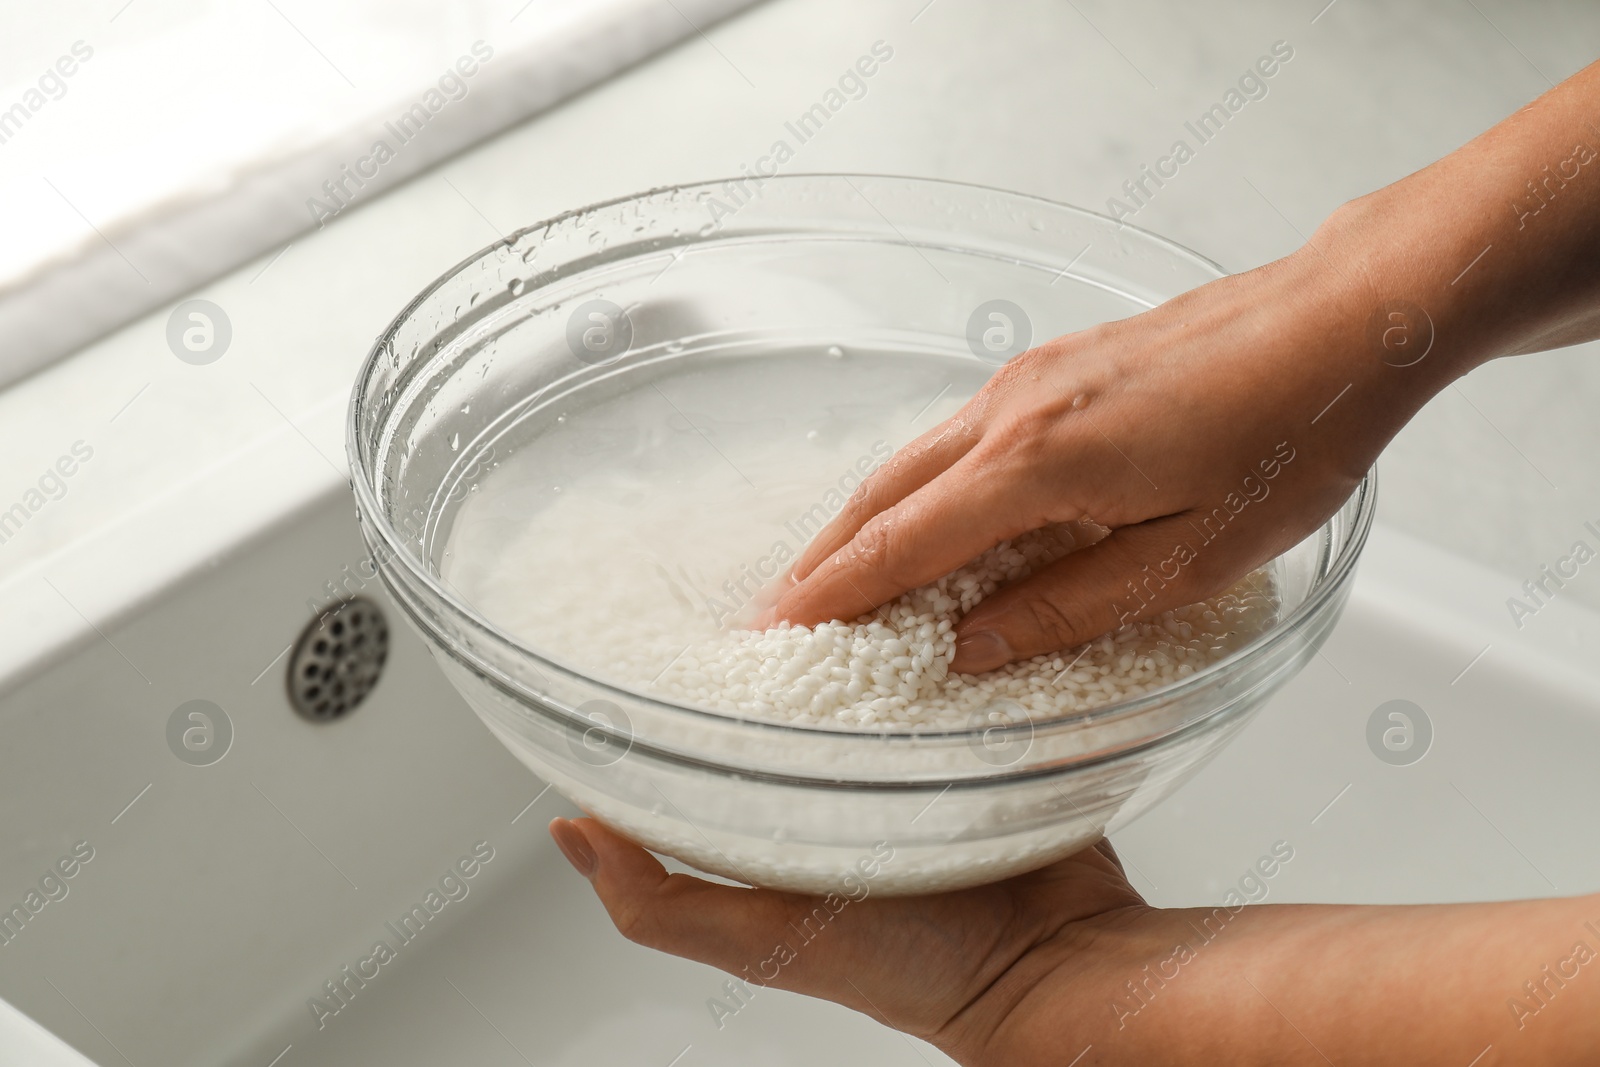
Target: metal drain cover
{"points": [[337, 659]]}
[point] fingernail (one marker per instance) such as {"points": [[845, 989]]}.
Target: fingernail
{"points": [[979, 652], [573, 845]]}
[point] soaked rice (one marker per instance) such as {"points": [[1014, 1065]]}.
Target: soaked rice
{"points": [[629, 609], [890, 670]]}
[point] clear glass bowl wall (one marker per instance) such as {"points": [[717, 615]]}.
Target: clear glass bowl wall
{"points": [[476, 368]]}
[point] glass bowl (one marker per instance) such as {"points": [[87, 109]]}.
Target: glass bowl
{"points": [[903, 277]]}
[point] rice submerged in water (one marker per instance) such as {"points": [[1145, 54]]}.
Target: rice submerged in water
{"points": [[890, 670], [639, 600]]}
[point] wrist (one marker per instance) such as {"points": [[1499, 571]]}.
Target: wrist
{"points": [[1057, 993], [1140, 985], [1402, 291], [1367, 310]]}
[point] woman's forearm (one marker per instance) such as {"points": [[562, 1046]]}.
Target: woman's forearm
{"points": [[1497, 243], [1290, 984]]}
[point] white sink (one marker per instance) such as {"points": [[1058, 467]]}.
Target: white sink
{"points": [[220, 898]]}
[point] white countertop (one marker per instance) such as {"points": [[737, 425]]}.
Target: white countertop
{"points": [[1034, 96]]}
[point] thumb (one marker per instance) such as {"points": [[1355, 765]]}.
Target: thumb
{"points": [[1137, 572]]}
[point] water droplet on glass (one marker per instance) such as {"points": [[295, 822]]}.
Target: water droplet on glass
{"points": [[516, 286], [811, 435], [561, 418], [455, 442], [675, 347], [835, 352]]}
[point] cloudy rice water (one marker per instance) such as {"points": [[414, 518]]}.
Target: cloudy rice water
{"points": [[629, 540]]}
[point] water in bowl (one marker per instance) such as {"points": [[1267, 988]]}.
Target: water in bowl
{"points": [[631, 537]]}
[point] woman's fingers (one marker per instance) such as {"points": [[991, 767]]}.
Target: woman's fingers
{"points": [[930, 533], [724, 926], [907, 471], [1138, 571], [917, 963], [762, 936]]}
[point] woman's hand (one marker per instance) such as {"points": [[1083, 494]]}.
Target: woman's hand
{"points": [[951, 969], [1209, 434], [1174, 427], [1068, 967]]}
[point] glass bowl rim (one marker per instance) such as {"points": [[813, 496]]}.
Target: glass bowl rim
{"points": [[1332, 584]]}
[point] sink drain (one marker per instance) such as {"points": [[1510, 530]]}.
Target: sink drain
{"points": [[337, 659]]}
